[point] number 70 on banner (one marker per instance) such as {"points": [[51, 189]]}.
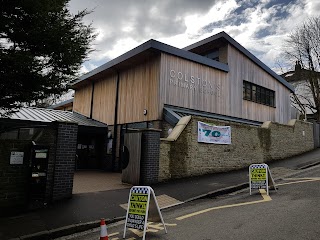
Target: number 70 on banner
{"points": [[210, 132]]}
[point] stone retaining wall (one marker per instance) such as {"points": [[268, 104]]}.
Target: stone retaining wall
{"points": [[186, 157]]}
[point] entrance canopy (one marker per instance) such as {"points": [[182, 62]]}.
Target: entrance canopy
{"points": [[44, 115]]}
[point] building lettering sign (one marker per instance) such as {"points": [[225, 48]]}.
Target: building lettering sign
{"points": [[194, 83], [260, 177], [138, 209], [214, 134]]}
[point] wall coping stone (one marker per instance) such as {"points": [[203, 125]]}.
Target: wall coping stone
{"points": [[178, 129]]}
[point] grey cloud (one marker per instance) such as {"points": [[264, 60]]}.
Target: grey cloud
{"points": [[159, 19], [148, 19]]}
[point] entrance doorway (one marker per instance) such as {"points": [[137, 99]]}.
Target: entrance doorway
{"points": [[97, 181]]}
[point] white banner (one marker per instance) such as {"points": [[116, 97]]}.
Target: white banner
{"points": [[214, 134]]}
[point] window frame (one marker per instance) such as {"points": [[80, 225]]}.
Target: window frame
{"points": [[258, 94]]}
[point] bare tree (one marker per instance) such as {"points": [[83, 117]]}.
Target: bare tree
{"points": [[303, 47]]}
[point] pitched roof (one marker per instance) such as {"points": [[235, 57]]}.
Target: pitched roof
{"points": [[234, 43], [45, 115], [152, 46]]}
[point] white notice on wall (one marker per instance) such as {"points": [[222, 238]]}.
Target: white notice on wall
{"points": [[214, 134], [16, 157]]}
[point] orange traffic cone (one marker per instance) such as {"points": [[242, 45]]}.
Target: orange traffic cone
{"points": [[103, 230]]}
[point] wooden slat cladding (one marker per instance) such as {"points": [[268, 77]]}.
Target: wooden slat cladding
{"points": [[191, 85], [241, 68], [182, 83], [167, 79], [82, 100], [139, 90], [104, 99]]}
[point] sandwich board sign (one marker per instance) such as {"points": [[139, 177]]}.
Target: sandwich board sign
{"points": [[260, 177], [142, 201]]}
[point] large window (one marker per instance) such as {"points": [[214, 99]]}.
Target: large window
{"points": [[258, 94]]}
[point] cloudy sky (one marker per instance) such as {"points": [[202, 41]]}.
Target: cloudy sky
{"points": [[259, 25]]}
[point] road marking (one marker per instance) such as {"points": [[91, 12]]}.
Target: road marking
{"points": [[264, 195], [113, 234], [151, 227], [298, 180], [119, 238]]}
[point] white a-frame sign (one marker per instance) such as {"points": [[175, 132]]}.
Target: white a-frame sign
{"points": [[260, 177], [139, 206]]}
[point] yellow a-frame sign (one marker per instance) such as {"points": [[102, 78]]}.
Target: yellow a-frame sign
{"points": [[138, 209], [260, 177]]}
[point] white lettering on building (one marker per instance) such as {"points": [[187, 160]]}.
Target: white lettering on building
{"points": [[186, 81]]}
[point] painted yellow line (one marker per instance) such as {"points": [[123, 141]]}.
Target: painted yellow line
{"points": [[310, 178], [264, 195], [266, 198], [113, 234], [302, 181]]}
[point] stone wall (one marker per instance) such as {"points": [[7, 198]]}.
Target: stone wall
{"points": [[288, 140], [186, 157]]}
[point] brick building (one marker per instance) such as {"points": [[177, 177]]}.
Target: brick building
{"points": [[38, 155]]}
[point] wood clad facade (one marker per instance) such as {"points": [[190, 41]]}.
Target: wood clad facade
{"points": [[82, 100], [104, 99], [241, 68], [169, 79], [192, 85], [138, 91]]}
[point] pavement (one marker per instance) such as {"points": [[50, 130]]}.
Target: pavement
{"points": [[84, 210]]}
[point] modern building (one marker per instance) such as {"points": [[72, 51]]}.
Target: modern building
{"points": [[148, 86], [216, 75], [138, 114]]}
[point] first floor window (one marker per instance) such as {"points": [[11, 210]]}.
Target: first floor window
{"points": [[255, 93]]}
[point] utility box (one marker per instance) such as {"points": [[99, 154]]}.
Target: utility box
{"points": [[39, 168]]}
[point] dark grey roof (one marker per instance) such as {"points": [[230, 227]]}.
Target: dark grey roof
{"points": [[173, 114], [45, 115], [61, 104], [158, 46], [244, 51]]}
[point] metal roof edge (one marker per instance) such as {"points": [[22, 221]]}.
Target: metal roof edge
{"points": [[45, 115], [170, 108], [115, 61], [189, 55], [245, 52], [204, 41], [60, 104], [153, 44], [90, 119]]}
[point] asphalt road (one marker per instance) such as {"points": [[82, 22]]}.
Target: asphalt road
{"points": [[293, 212]]}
